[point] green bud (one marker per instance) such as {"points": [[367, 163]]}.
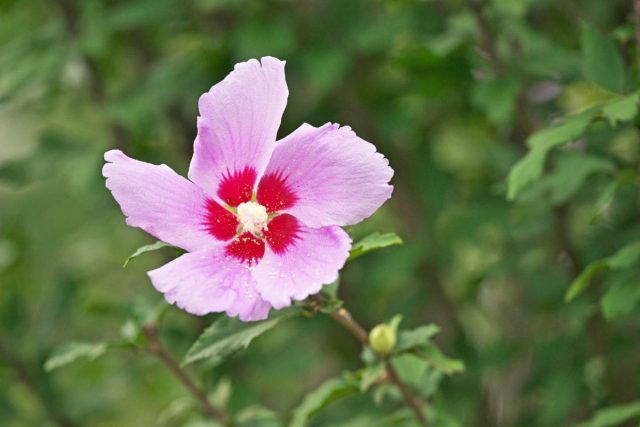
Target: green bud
{"points": [[382, 339]]}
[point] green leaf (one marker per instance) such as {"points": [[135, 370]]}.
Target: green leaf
{"points": [[146, 248], [412, 339], [370, 374], [624, 258], [318, 399], [622, 109], [228, 335], [529, 168], [602, 62], [439, 361], [257, 416], [372, 242], [418, 342], [608, 194], [330, 305], [621, 297], [72, 351], [570, 173], [614, 415], [496, 97]]}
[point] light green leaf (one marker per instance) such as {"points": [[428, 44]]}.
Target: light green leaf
{"points": [[257, 416], [228, 335], [614, 415], [411, 339], [146, 248], [72, 351], [439, 361], [621, 109], [372, 242], [529, 168], [602, 62], [221, 393], [318, 399], [175, 411], [624, 258]]}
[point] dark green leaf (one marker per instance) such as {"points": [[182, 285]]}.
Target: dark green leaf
{"points": [[318, 399], [624, 258], [497, 98], [228, 335]]}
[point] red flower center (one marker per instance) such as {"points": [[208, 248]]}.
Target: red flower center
{"points": [[251, 223]]}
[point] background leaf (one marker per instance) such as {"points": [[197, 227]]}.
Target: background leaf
{"points": [[602, 62], [72, 351]]}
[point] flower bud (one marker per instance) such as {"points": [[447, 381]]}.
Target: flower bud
{"points": [[382, 339]]}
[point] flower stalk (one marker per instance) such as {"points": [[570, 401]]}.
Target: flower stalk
{"points": [[156, 348], [344, 318]]}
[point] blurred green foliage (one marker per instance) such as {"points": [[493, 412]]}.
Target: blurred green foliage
{"points": [[513, 130]]}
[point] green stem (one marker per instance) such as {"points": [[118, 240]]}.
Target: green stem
{"points": [[344, 318]]}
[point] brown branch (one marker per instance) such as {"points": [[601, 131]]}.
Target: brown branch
{"points": [[156, 348], [412, 400], [24, 375], [345, 319], [488, 38]]}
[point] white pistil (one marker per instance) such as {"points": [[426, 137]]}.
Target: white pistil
{"points": [[253, 216]]}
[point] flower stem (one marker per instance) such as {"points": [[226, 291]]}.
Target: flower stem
{"points": [[414, 402], [156, 348]]}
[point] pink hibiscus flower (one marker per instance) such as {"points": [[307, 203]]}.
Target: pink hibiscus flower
{"points": [[259, 218]]}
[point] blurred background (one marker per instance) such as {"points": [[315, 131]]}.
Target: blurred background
{"points": [[449, 91]]}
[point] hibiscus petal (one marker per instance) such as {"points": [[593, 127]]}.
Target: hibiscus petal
{"points": [[239, 119], [161, 202], [210, 281], [327, 176], [312, 259]]}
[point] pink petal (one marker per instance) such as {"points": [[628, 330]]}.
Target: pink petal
{"points": [[161, 202], [210, 281], [335, 178], [312, 260], [239, 119]]}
